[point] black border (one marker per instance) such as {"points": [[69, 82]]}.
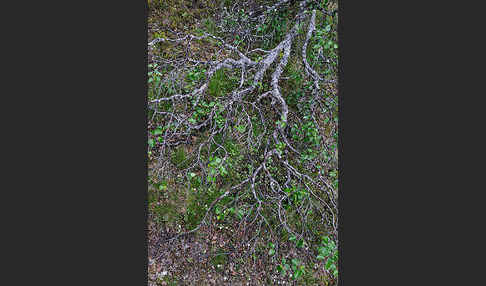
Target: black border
{"points": [[82, 141]]}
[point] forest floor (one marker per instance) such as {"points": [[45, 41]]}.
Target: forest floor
{"points": [[211, 256], [215, 254]]}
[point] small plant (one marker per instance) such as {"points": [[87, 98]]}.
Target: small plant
{"points": [[154, 75], [329, 252], [283, 267], [241, 128], [201, 111], [296, 196], [216, 168], [219, 118], [194, 180], [151, 143], [194, 76], [280, 147], [298, 268], [307, 133], [271, 252]]}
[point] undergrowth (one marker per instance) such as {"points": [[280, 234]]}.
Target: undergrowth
{"points": [[191, 171]]}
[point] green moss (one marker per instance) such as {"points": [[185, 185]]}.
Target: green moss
{"points": [[220, 84], [165, 213], [152, 196], [179, 158], [219, 260], [196, 208], [209, 25]]}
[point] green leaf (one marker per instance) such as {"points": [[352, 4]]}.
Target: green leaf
{"points": [[223, 171], [325, 252], [157, 131], [271, 252], [328, 264], [281, 124], [320, 257], [241, 213], [325, 240], [151, 143], [300, 243], [241, 128]]}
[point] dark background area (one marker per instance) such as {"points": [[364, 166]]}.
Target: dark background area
{"points": [[78, 144]]}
